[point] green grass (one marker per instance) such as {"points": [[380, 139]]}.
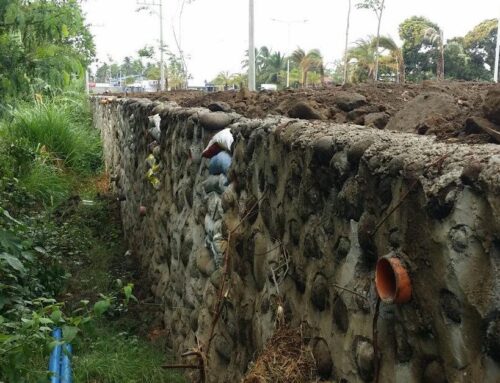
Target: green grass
{"points": [[60, 128], [46, 182], [51, 146], [108, 356]]}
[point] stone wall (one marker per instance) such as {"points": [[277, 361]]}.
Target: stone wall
{"points": [[310, 208]]}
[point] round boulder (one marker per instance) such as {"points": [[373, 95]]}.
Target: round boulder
{"points": [[491, 106], [215, 120]]}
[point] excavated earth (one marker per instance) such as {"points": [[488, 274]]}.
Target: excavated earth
{"points": [[453, 111]]}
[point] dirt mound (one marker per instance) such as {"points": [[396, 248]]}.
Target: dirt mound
{"points": [[426, 112], [439, 108], [285, 359]]}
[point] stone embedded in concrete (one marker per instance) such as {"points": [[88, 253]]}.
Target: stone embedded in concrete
{"points": [[356, 151], [205, 262], [320, 292], [215, 120], [340, 314], [323, 150], [224, 348], [342, 248], [433, 372], [365, 358], [366, 231], [219, 106], [259, 260], [493, 338], [450, 306], [323, 358], [404, 351], [470, 173]]}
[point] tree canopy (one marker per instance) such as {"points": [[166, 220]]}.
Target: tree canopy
{"points": [[44, 45]]}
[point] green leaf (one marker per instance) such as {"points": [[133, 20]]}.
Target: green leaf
{"points": [[13, 262], [56, 316], [46, 321], [64, 31], [100, 307], [69, 333], [127, 290]]}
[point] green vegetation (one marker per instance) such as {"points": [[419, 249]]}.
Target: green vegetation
{"points": [[61, 249], [49, 146], [144, 66], [110, 357], [45, 46]]}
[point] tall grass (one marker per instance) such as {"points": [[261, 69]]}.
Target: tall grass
{"points": [[109, 356], [52, 143], [62, 128]]}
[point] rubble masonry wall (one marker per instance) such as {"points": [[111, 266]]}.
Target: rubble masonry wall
{"points": [[309, 209]]}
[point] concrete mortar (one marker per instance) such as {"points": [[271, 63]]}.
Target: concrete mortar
{"points": [[320, 190]]}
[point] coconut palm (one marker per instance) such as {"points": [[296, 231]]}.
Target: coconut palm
{"points": [[362, 53], [272, 67], [365, 63], [435, 38], [306, 62], [396, 56]]}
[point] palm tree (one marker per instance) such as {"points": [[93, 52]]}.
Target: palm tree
{"points": [[376, 6], [435, 38], [396, 54], [272, 67], [306, 62], [363, 53]]}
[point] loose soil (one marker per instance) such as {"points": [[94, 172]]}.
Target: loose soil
{"points": [[440, 108]]}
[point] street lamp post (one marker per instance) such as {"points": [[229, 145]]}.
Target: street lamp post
{"points": [[159, 4], [497, 52], [289, 25], [251, 47]]}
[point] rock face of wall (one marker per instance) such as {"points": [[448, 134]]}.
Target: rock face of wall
{"points": [[310, 208]]}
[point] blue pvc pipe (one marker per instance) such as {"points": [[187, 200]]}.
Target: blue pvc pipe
{"points": [[66, 364], [55, 358]]}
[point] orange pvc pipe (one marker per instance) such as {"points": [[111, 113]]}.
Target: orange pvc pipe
{"points": [[392, 280]]}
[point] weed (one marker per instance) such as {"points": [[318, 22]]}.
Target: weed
{"points": [[56, 127], [106, 355]]}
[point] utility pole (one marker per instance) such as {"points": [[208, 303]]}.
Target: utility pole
{"points": [[159, 4], [497, 52], [251, 47], [162, 63], [289, 25], [346, 42]]}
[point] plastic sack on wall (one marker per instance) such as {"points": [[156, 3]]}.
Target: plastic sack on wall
{"points": [[221, 141], [220, 163], [154, 126]]}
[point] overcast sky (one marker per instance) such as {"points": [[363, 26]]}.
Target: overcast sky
{"points": [[214, 33]]}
